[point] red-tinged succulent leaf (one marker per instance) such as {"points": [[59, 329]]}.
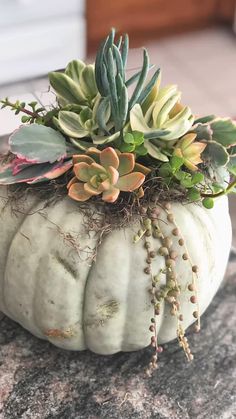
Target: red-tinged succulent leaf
{"points": [[78, 158], [55, 172], [34, 173], [94, 153], [38, 144], [140, 193], [81, 171], [90, 189], [19, 164], [111, 195], [113, 175], [130, 182], [77, 192], [96, 169], [127, 162], [72, 181], [143, 169], [108, 157], [104, 186]]}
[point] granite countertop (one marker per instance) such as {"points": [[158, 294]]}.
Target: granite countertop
{"points": [[38, 380]]}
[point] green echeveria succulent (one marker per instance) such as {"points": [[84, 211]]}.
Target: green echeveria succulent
{"points": [[105, 172], [163, 121]]}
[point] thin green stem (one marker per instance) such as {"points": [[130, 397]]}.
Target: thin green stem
{"points": [[230, 187], [16, 107]]}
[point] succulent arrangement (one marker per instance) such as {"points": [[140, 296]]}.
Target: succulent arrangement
{"points": [[110, 145], [95, 116]]}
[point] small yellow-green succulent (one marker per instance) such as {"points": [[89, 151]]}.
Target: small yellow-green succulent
{"points": [[190, 151]]}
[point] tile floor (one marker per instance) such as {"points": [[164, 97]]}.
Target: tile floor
{"points": [[202, 64]]}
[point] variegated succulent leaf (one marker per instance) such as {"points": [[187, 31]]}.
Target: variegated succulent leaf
{"points": [[76, 85], [19, 171], [38, 144]]}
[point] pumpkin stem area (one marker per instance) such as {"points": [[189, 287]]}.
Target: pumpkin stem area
{"points": [[165, 289]]}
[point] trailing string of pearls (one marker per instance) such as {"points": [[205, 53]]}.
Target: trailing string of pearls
{"points": [[170, 291]]}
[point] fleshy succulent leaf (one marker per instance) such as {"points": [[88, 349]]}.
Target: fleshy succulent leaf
{"points": [[126, 163], [77, 192], [103, 114], [138, 89], [66, 88], [108, 157], [81, 144], [87, 81], [130, 182], [70, 124], [81, 171], [74, 70], [216, 154], [38, 144], [113, 173], [154, 151], [34, 173], [205, 119], [111, 195], [224, 131], [78, 158], [203, 131]]}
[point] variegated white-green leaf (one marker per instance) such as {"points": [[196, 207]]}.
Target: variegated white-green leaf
{"points": [[66, 88], [99, 140], [137, 120], [74, 70], [164, 95], [81, 144], [87, 81], [38, 144], [154, 151], [165, 110], [70, 124]]}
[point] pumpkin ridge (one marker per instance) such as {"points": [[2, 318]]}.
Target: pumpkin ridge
{"points": [[25, 215]]}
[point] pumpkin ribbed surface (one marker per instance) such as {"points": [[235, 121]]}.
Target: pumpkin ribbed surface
{"points": [[56, 292]]}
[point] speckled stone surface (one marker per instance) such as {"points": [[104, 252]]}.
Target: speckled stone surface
{"points": [[39, 381]]}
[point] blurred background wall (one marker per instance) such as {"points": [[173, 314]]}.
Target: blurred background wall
{"points": [[151, 19], [38, 36]]}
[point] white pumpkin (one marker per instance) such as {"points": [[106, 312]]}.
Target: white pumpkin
{"points": [[104, 305]]}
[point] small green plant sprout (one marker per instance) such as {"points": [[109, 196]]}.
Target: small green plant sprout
{"points": [[33, 112]]}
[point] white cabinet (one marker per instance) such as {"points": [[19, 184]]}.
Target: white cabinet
{"points": [[37, 37]]}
